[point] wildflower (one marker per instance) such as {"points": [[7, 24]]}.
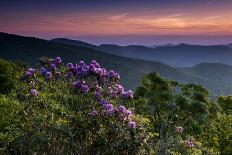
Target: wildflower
{"points": [[108, 106], [120, 89], [103, 102], [53, 66], [84, 70], [190, 143], [77, 84], [81, 64], [28, 74], [121, 108], [69, 65], [85, 88], [49, 75], [132, 124], [128, 113], [94, 113], [57, 60], [69, 74], [43, 70], [95, 64], [111, 73], [179, 129], [32, 70], [109, 112], [104, 72], [97, 94], [128, 94], [34, 92]]}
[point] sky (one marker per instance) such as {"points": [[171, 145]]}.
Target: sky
{"points": [[123, 22]]}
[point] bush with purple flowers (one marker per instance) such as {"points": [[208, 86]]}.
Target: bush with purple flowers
{"points": [[77, 109]]}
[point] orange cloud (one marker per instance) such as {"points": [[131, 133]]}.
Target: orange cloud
{"points": [[98, 24]]}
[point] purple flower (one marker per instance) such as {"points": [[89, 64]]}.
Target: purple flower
{"points": [[81, 63], [108, 106], [121, 108], [97, 94], [104, 72], [132, 124], [95, 64], [84, 88], [84, 70], [31, 70], [109, 112], [34, 92], [103, 102], [58, 60], [69, 74], [111, 73], [179, 129], [77, 84], [28, 74], [94, 113], [53, 66], [43, 70], [120, 89], [69, 65], [98, 71], [49, 75], [128, 94], [128, 113], [190, 143]]}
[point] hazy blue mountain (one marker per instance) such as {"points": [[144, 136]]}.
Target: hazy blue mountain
{"points": [[73, 42], [164, 45], [217, 72], [30, 49], [182, 55], [229, 45]]}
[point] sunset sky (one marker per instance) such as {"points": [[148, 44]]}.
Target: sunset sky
{"points": [[121, 21]]}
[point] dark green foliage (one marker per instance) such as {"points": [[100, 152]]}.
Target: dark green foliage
{"points": [[169, 104], [226, 103], [10, 73]]}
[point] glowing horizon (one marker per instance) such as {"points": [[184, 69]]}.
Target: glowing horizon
{"points": [[83, 19]]}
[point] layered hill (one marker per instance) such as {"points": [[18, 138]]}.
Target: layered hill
{"points": [[180, 55], [30, 49]]}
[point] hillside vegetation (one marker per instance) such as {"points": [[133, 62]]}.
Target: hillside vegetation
{"points": [[28, 49], [81, 108]]}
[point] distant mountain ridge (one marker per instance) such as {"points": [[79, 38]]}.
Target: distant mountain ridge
{"points": [[229, 45], [30, 49], [180, 55]]}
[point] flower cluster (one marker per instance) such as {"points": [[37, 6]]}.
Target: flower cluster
{"points": [[81, 85], [91, 79], [30, 72], [179, 129], [190, 143]]}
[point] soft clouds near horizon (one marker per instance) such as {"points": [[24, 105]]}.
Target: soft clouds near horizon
{"points": [[111, 19]]}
